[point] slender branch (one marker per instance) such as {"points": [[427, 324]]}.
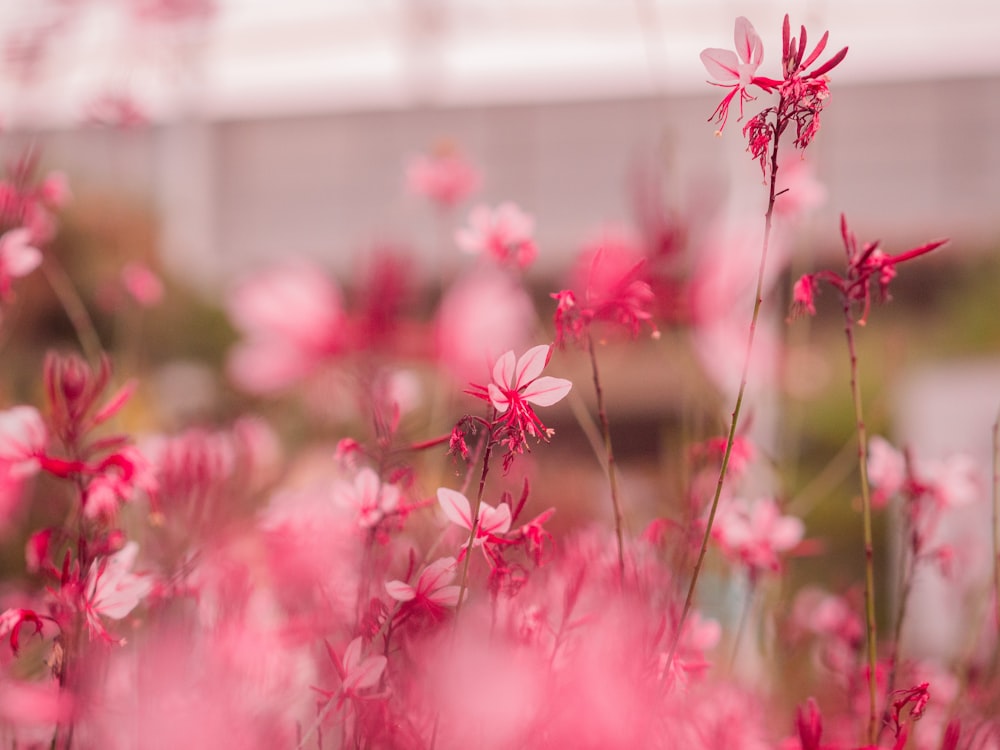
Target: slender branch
{"points": [[75, 310], [731, 438], [996, 513], [866, 513], [602, 416], [463, 586]]}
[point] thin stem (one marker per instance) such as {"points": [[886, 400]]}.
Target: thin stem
{"points": [[996, 513], [75, 310], [602, 416], [866, 513], [463, 586], [731, 437]]}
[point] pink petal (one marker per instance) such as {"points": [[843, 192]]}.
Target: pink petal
{"points": [[547, 391], [456, 507], [503, 370], [530, 365], [17, 255], [446, 596], [722, 65], [400, 591], [748, 43], [366, 675], [498, 398], [352, 655], [436, 574], [494, 520]]}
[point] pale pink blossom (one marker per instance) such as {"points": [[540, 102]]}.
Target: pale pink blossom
{"points": [[292, 320], [368, 497], [23, 439], [492, 521], [144, 285], [445, 177], [433, 589], [18, 258], [886, 470], [112, 590], [481, 316], [755, 534], [505, 232], [518, 382], [735, 70], [359, 673]]}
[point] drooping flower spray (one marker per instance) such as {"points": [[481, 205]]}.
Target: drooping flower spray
{"points": [[802, 94]]}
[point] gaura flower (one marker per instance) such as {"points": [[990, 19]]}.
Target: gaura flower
{"points": [[505, 232]]}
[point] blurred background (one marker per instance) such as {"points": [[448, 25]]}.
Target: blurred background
{"points": [[209, 138]]}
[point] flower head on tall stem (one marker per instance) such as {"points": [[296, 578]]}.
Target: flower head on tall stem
{"points": [[517, 385]]}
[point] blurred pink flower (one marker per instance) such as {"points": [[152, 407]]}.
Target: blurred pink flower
{"points": [[755, 534], [886, 470], [368, 497], [113, 591], [433, 590], [18, 257], [445, 177], [23, 439], [293, 322], [481, 316], [358, 674], [492, 521], [144, 285], [504, 232]]}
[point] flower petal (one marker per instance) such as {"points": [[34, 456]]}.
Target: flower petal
{"points": [[722, 65], [494, 520], [547, 391], [400, 591], [365, 675], [498, 398], [503, 370], [456, 507], [530, 365], [748, 43], [439, 573]]}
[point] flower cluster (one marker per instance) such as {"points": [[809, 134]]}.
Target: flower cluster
{"points": [[864, 264]]}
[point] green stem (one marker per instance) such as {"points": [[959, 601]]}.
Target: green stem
{"points": [[602, 416], [731, 437], [73, 305], [866, 512]]}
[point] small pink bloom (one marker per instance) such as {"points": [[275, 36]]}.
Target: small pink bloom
{"points": [[23, 439], [517, 383], [445, 177], [755, 534], [369, 497], [433, 589], [492, 521], [292, 320], [359, 674], [144, 285], [18, 257], [886, 470], [504, 232], [735, 70], [112, 590], [11, 622]]}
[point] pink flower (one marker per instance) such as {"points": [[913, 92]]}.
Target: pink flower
{"points": [[112, 590], [735, 70], [356, 673], [18, 257], [144, 285], [371, 498], [504, 232], [755, 534], [23, 439], [433, 590], [516, 385], [493, 522], [445, 177], [886, 470], [293, 321]]}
